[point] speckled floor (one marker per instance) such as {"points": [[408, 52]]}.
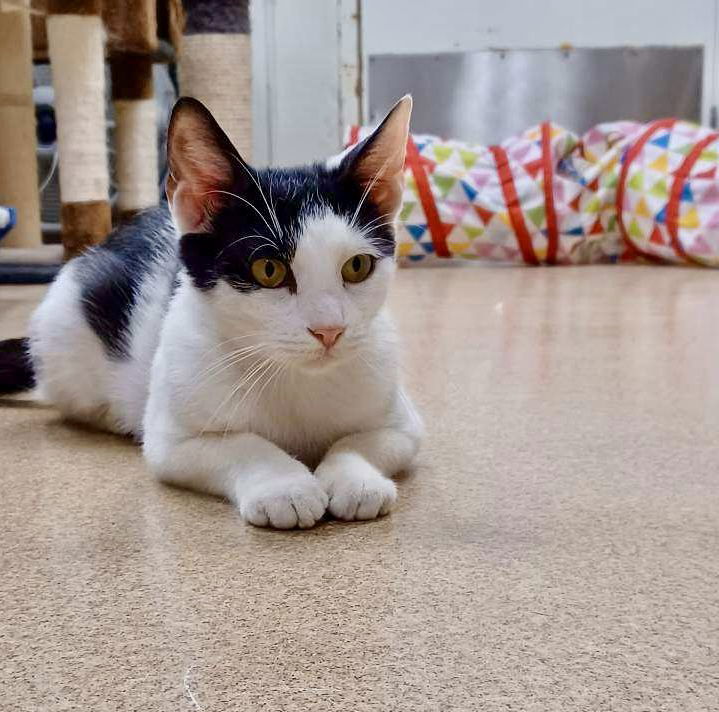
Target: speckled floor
{"points": [[557, 547]]}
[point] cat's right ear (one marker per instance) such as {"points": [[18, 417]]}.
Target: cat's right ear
{"points": [[203, 165]]}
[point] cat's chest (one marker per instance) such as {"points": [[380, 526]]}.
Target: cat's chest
{"points": [[306, 417]]}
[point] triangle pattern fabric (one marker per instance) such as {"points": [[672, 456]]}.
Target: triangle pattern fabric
{"points": [[416, 230], [657, 237], [702, 247], [469, 191], [406, 211], [713, 222], [659, 189], [442, 153], [661, 164], [469, 158], [690, 219], [709, 195], [597, 228], [642, 209], [634, 230], [661, 141], [536, 215], [533, 168], [444, 183], [636, 182], [520, 152], [484, 214], [457, 210], [481, 178], [709, 174]]}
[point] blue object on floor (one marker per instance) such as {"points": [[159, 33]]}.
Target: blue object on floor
{"points": [[8, 218], [12, 273]]}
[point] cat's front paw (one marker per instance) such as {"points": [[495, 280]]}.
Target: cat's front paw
{"points": [[284, 502], [356, 489]]}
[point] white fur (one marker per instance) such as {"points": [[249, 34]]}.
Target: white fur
{"points": [[248, 425]]}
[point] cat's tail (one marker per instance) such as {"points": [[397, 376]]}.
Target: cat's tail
{"points": [[16, 372]]}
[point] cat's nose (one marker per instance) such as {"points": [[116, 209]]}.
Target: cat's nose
{"points": [[327, 335]]}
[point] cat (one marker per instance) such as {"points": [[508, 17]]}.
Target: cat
{"points": [[239, 331]]}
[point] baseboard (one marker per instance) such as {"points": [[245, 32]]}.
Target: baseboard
{"points": [[20, 265]]}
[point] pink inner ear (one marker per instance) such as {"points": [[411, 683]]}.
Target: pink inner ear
{"points": [[201, 170], [196, 190], [189, 209]]}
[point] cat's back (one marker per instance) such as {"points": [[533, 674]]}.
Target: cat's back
{"points": [[94, 335], [137, 260]]}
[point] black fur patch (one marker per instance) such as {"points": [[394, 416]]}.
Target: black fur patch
{"points": [[110, 275], [16, 372], [244, 230]]}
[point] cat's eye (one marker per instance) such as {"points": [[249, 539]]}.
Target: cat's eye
{"points": [[357, 268], [268, 272]]}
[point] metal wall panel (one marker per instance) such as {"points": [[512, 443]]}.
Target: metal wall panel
{"points": [[488, 95]]}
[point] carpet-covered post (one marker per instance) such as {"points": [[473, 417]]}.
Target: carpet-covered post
{"points": [[215, 64], [76, 48]]}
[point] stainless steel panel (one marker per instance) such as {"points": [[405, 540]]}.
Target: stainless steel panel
{"points": [[489, 95]]}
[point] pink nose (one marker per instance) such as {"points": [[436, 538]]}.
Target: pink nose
{"points": [[327, 335]]}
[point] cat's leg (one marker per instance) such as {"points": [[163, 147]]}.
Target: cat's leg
{"points": [[356, 470], [269, 487]]}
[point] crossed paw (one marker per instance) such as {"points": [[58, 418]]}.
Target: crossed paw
{"points": [[349, 491]]}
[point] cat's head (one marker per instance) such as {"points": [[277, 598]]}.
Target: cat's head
{"points": [[299, 259]]}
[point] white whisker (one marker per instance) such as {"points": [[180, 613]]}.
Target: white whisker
{"points": [[246, 377], [258, 374], [247, 237], [374, 220], [271, 213], [229, 360], [244, 200], [367, 191]]}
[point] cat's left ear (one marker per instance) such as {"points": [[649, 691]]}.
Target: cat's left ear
{"points": [[378, 162], [203, 164]]}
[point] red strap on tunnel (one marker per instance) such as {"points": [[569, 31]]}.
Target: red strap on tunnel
{"points": [[516, 216]]}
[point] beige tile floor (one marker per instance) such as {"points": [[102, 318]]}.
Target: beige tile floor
{"points": [[556, 549]]}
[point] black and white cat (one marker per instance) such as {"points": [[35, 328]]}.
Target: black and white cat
{"points": [[241, 335]]}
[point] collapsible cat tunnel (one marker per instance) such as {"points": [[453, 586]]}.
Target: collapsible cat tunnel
{"points": [[624, 191]]}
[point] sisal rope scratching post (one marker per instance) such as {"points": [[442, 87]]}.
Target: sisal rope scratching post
{"points": [[135, 133], [215, 64], [76, 48], [18, 144]]}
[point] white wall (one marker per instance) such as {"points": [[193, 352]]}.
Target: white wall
{"points": [[304, 75], [302, 63], [405, 26]]}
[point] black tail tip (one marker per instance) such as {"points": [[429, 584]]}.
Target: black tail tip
{"points": [[16, 372]]}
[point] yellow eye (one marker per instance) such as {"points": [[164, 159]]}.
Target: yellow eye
{"points": [[357, 268], [269, 273]]}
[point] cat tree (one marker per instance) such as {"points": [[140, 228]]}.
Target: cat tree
{"points": [[213, 44]]}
